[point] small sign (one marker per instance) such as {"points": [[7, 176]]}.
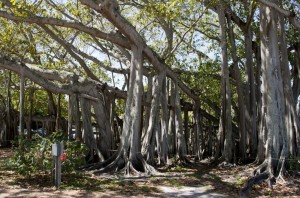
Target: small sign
{"points": [[57, 149]]}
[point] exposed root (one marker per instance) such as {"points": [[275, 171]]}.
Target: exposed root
{"points": [[136, 166], [113, 167], [262, 172], [184, 161], [244, 192], [98, 165]]}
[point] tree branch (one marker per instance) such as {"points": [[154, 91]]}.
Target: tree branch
{"points": [[291, 15]]}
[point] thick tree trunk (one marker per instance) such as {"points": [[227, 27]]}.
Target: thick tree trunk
{"points": [[147, 109], [89, 137], [171, 124], [150, 135], [226, 90], [291, 118], [296, 72], [129, 155], [163, 152], [104, 125], [252, 93], [181, 150], [273, 99], [241, 105], [197, 131]]}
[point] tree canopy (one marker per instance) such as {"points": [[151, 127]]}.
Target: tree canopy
{"points": [[159, 78]]}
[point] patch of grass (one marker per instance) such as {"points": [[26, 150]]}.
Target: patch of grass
{"points": [[147, 189], [240, 182], [173, 182]]}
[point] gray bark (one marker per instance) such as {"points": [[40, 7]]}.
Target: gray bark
{"points": [[171, 124], [181, 150], [226, 93], [153, 119], [163, 153], [71, 108], [22, 103], [89, 137], [241, 105], [291, 118], [197, 147]]}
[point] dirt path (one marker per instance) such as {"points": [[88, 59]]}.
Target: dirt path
{"points": [[200, 181], [164, 191]]}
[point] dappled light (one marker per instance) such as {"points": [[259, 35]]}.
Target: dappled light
{"points": [[150, 98]]}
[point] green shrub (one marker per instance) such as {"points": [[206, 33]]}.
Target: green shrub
{"points": [[35, 156], [294, 164]]}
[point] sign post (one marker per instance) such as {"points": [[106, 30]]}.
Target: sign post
{"points": [[57, 150]]}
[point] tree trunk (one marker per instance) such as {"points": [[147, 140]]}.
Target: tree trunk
{"points": [[171, 124], [52, 111], [291, 118], [31, 107], [147, 109], [226, 90], [89, 137], [58, 114], [9, 134], [181, 150], [197, 131], [273, 99], [71, 105], [105, 133], [241, 105], [153, 119], [129, 153], [252, 93], [22, 103], [77, 119], [163, 153]]}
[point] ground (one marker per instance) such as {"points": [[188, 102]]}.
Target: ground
{"points": [[202, 180]]}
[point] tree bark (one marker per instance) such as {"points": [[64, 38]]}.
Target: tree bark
{"points": [[273, 99], [153, 119], [241, 105], [291, 118], [181, 150], [226, 90], [89, 137], [22, 103], [163, 153]]}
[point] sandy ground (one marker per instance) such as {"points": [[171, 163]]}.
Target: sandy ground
{"points": [[183, 191]]}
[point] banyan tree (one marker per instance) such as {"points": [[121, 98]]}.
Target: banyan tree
{"points": [[151, 83]]}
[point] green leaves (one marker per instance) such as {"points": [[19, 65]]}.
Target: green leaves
{"points": [[37, 156]]}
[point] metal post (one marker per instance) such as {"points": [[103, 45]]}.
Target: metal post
{"points": [[57, 150]]}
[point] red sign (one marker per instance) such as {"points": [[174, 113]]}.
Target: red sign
{"points": [[63, 157]]}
